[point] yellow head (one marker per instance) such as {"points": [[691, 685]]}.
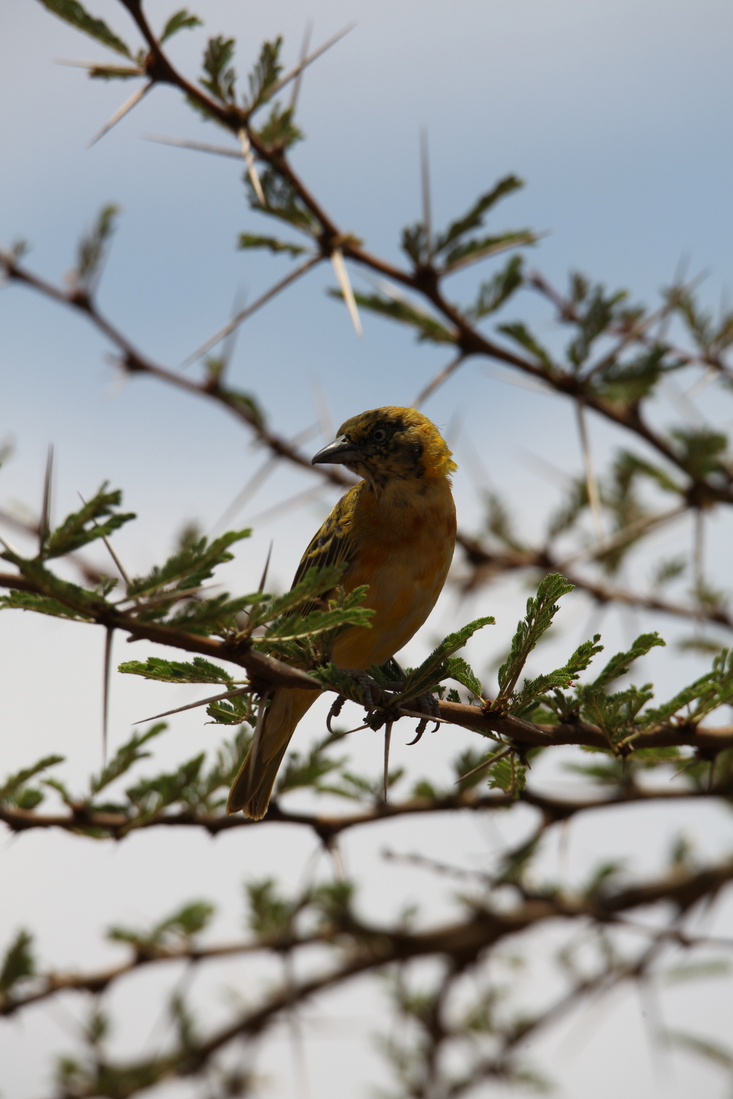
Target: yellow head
{"points": [[387, 443]]}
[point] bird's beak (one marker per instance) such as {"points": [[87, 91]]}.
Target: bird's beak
{"points": [[340, 450]]}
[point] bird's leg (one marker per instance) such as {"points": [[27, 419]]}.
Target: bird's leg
{"points": [[373, 691]]}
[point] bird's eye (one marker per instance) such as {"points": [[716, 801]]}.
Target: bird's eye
{"points": [[379, 435]]}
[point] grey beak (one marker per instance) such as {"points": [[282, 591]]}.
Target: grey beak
{"points": [[340, 450]]}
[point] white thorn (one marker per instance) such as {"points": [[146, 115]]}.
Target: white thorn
{"points": [[251, 166], [337, 259], [126, 106]]}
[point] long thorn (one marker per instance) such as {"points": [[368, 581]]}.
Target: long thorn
{"points": [[342, 275], [105, 692], [10, 547], [425, 188], [232, 324], [198, 146], [439, 378], [120, 114], [251, 166], [594, 498], [303, 55], [323, 409], [192, 705], [267, 565], [387, 739], [45, 524], [294, 73], [484, 764], [256, 481], [297, 500]]}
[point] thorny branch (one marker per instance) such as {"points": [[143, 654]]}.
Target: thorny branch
{"points": [[425, 280]]}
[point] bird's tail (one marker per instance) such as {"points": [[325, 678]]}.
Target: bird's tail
{"points": [[252, 788]]}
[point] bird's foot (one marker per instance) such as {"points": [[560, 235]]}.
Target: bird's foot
{"points": [[427, 705], [373, 693]]}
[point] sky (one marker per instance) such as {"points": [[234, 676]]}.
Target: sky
{"points": [[615, 113]]}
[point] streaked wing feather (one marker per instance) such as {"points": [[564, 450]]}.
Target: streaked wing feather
{"points": [[332, 544]]}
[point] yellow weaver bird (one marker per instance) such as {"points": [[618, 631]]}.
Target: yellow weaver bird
{"points": [[396, 530]]}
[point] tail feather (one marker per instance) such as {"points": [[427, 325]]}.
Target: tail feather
{"points": [[252, 788]]}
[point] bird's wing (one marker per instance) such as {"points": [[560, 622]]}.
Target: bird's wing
{"points": [[333, 543]]}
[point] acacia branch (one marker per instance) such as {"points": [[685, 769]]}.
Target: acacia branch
{"points": [[116, 825], [486, 563], [423, 280], [371, 947]]}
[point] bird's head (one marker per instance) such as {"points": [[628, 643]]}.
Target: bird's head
{"points": [[387, 443]]}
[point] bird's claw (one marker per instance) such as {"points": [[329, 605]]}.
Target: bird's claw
{"points": [[425, 704], [334, 712]]}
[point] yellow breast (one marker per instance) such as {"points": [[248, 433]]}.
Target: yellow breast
{"points": [[403, 542]]}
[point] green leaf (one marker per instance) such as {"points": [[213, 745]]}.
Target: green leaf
{"points": [[521, 335], [182, 925], [481, 248], [509, 775], [282, 201], [15, 783], [474, 218], [317, 582], [427, 326], [72, 12], [245, 404], [462, 672], [96, 519], [266, 72], [127, 754], [561, 678], [269, 913], [436, 666], [700, 451], [233, 711], [82, 603], [272, 244], [541, 610], [494, 293], [186, 922], [319, 622], [620, 664], [212, 616], [152, 796], [91, 246], [599, 310], [467, 762], [18, 962], [27, 601], [180, 21], [630, 382], [280, 131], [220, 76], [710, 691], [189, 566], [198, 670]]}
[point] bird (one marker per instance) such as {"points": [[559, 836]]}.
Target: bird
{"points": [[395, 531]]}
